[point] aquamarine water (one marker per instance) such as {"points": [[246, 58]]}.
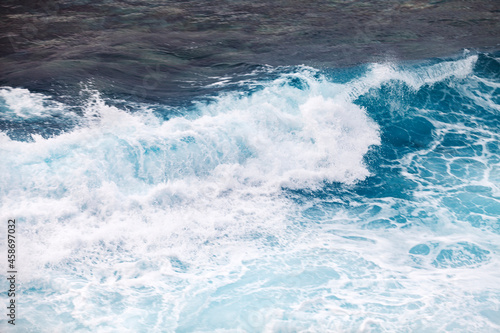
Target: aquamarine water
{"points": [[298, 200]]}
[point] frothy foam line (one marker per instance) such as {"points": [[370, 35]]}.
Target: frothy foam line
{"points": [[379, 74]]}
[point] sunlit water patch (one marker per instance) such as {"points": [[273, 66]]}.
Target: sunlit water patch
{"points": [[341, 201]]}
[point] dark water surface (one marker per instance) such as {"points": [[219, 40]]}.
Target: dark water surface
{"points": [[170, 50]]}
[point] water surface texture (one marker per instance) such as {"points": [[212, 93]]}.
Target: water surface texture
{"points": [[268, 192], [168, 50]]}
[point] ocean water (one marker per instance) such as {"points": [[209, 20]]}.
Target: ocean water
{"points": [[290, 199]]}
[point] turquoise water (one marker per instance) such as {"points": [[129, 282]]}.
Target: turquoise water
{"points": [[297, 200]]}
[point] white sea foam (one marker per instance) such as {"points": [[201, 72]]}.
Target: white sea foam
{"points": [[24, 104], [201, 190], [415, 78]]}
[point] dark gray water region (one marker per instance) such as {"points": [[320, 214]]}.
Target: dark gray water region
{"points": [[170, 51]]}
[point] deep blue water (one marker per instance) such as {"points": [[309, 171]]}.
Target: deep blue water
{"points": [[292, 199]]}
